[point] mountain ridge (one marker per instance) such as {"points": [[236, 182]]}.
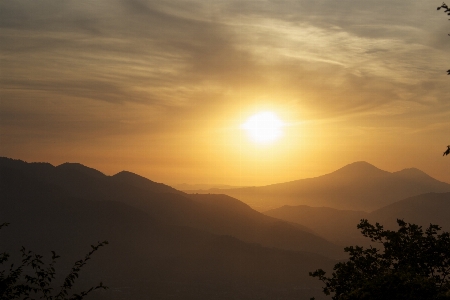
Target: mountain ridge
{"points": [[213, 214], [67, 166], [358, 186], [339, 226], [152, 259], [144, 183]]}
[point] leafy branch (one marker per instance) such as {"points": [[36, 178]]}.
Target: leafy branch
{"points": [[15, 284], [411, 264]]}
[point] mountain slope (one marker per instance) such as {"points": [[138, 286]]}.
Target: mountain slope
{"points": [[227, 215], [339, 226], [358, 186], [143, 183], [214, 214], [145, 258], [423, 209]]}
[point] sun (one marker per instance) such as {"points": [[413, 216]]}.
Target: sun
{"points": [[264, 127]]}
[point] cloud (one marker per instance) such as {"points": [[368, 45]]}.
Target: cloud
{"points": [[330, 58]]}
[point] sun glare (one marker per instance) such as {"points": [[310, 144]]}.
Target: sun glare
{"points": [[264, 127]]}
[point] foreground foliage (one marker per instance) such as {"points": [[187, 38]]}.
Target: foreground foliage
{"points": [[413, 264], [32, 278]]}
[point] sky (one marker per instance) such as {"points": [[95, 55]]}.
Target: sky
{"points": [[162, 88]]}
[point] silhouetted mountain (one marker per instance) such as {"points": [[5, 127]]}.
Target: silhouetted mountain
{"points": [[146, 259], [358, 186], [339, 226], [357, 168], [424, 209], [143, 183], [226, 215], [76, 167], [149, 255], [211, 213], [81, 181]]}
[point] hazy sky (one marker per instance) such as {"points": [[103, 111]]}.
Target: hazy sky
{"points": [[161, 88]]}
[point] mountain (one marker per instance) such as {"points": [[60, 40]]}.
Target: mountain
{"points": [[357, 186], [145, 258], [81, 181], [76, 167], [339, 226], [423, 209], [210, 213], [226, 215], [143, 183]]}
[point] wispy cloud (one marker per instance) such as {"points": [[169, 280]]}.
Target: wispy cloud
{"points": [[118, 65]]}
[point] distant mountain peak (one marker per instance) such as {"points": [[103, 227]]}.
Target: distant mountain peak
{"points": [[360, 164], [128, 174], [143, 182], [362, 168], [80, 168]]}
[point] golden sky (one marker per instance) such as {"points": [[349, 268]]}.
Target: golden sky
{"points": [[161, 88]]}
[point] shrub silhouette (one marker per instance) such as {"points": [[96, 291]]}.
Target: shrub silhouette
{"points": [[414, 264], [17, 283]]}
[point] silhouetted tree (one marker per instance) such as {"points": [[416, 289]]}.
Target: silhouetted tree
{"points": [[32, 278], [413, 264]]}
